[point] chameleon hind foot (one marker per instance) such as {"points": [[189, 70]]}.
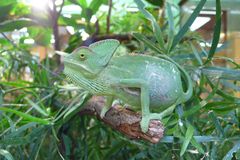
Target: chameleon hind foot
{"points": [[104, 111], [146, 120], [108, 105]]}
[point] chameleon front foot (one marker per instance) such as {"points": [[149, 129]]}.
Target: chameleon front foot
{"points": [[104, 111], [146, 120]]}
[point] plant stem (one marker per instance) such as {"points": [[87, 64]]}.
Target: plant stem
{"points": [[109, 16]]}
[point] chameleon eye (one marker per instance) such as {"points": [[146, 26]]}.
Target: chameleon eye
{"points": [[82, 56]]}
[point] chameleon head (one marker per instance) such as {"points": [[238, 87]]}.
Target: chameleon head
{"points": [[89, 61], [82, 60]]}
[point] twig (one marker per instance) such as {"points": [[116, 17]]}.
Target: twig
{"points": [[54, 17], [97, 28], [109, 15], [9, 40], [182, 2], [95, 38], [61, 6]]}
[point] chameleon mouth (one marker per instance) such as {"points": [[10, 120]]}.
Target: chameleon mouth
{"points": [[69, 61], [72, 63]]}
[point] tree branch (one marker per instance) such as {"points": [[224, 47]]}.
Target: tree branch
{"points": [[54, 17], [95, 38], [124, 120]]}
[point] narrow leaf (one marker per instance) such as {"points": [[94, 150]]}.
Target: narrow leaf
{"points": [[171, 26], [197, 145], [189, 22], [217, 31], [94, 5], [75, 109], [21, 130], [216, 123], [26, 116], [6, 154], [11, 25], [156, 29], [147, 42], [197, 56], [221, 73], [36, 107], [235, 148], [199, 139], [187, 139]]}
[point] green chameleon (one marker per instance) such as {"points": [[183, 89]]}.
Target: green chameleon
{"points": [[141, 81]]}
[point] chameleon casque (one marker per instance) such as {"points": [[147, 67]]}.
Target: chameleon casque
{"points": [[143, 82]]}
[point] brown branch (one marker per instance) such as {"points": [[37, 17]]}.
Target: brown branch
{"points": [[182, 2], [54, 15], [121, 38], [54, 18], [95, 38], [97, 28], [124, 120], [61, 7]]}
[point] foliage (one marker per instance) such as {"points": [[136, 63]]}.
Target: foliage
{"points": [[39, 108]]}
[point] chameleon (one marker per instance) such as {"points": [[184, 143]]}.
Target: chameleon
{"points": [[144, 82]]}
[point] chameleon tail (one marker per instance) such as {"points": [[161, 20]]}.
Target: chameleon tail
{"points": [[188, 94]]}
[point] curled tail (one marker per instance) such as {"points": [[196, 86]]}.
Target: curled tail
{"points": [[188, 94]]}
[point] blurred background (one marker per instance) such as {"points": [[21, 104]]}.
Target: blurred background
{"points": [[39, 109], [51, 24]]}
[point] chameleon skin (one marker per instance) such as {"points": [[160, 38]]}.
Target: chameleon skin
{"points": [[144, 82]]}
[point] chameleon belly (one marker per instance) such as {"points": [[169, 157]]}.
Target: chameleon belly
{"points": [[162, 78]]}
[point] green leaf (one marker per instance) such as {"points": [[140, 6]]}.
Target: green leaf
{"points": [[83, 3], [1, 97], [6, 65], [171, 26], [67, 144], [19, 83], [156, 29], [197, 145], [235, 148], [189, 22], [197, 56], [36, 107], [223, 94], [187, 139], [21, 130], [6, 154], [4, 12], [11, 25], [94, 5], [221, 73], [8, 2], [76, 107], [199, 139], [201, 104], [70, 22], [12, 126], [217, 31], [158, 3], [220, 105], [216, 123], [147, 42], [14, 141], [26, 116]]}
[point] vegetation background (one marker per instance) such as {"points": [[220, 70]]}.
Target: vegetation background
{"points": [[39, 109]]}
